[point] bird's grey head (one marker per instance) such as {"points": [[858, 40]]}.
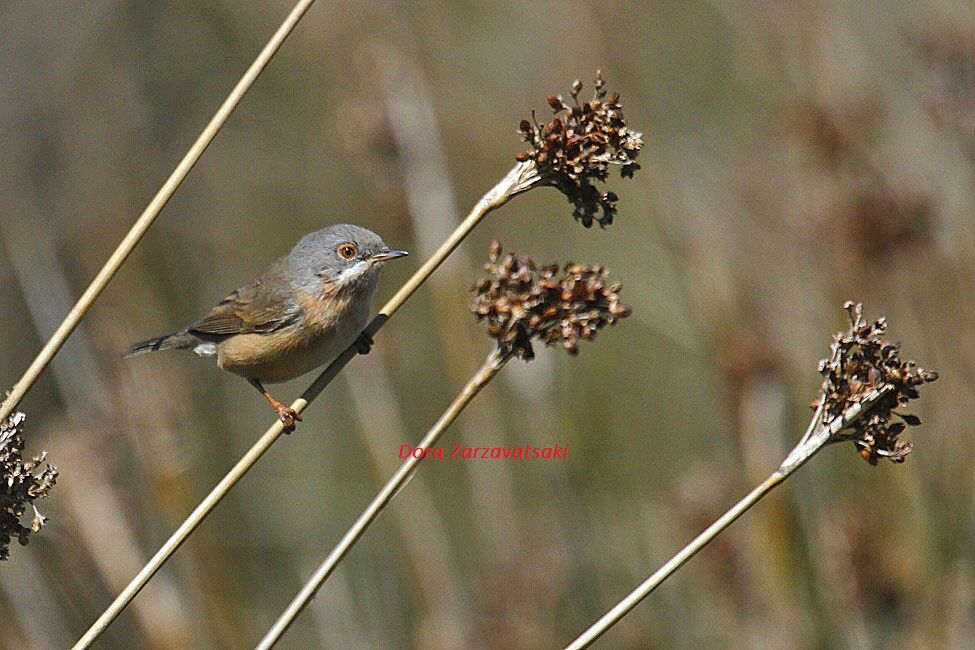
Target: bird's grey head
{"points": [[342, 255]]}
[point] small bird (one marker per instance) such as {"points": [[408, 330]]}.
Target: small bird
{"points": [[301, 313]]}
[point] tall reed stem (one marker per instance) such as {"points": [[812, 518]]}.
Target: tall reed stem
{"points": [[158, 202], [522, 177], [815, 438], [491, 366]]}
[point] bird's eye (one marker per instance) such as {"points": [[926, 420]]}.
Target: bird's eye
{"points": [[348, 251]]}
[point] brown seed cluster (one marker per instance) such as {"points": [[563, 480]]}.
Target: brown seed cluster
{"points": [[521, 301], [578, 145], [862, 362], [20, 485]]}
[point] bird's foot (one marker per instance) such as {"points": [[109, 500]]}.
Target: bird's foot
{"points": [[287, 414], [364, 343], [288, 417]]}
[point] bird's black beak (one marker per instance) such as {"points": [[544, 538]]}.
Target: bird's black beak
{"points": [[389, 254]]}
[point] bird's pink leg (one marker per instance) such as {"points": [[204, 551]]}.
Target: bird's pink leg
{"points": [[287, 414]]}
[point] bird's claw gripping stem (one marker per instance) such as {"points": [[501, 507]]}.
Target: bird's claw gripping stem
{"points": [[288, 417], [364, 343]]}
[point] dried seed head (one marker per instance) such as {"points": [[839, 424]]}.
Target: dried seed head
{"points": [[578, 145], [521, 301], [863, 362], [20, 485]]}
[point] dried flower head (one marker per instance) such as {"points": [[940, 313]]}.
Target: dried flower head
{"points": [[864, 364], [19, 485], [578, 145], [522, 301]]}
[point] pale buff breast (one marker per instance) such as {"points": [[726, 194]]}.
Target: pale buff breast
{"points": [[329, 326]]}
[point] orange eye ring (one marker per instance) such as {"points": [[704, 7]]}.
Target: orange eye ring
{"points": [[347, 251]]}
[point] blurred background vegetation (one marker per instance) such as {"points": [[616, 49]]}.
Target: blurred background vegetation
{"points": [[797, 154]]}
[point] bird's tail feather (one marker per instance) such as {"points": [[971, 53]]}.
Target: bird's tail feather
{"points": [[176, 340]]}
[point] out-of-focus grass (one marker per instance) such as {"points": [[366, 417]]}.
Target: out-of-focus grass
{"points": [[772, 133]]}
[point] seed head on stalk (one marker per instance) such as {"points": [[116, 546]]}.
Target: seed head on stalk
{"points": [[578, 145], [558, 305], [20, 485], [864, 363], [865, 384]]}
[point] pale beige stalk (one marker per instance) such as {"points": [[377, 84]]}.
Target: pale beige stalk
{"points": [[158, 202], [814, 439], [491, 366], [121, 253], [410, 106], [523, 176], [427, 545]]}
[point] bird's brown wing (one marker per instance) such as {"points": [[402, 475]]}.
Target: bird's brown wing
{"points": [[266, 305]]}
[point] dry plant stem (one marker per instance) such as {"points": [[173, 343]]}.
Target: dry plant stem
{"points": [[158, 202], [816, 437], [521, 178], [492, 365]]}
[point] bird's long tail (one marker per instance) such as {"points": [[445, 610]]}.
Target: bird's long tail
{"points": [[174, 341]]}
